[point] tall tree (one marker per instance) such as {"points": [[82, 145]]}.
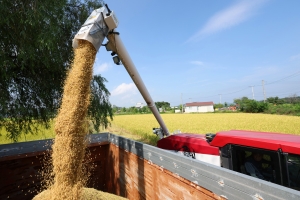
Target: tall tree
{"points": [[100, 109], [218, 105], [275, 100], [163, 105], [35, 53], [293, 99], [241, 103]]}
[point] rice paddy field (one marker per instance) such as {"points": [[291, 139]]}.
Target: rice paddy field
{"points": [[210, 122], [139, 127], [41, 135]]}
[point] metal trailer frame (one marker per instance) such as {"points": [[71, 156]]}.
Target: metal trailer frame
{"points": [[221, 181]]}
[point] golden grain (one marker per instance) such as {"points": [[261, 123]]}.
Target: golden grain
{"points": [[68, 150], [211, 122]]}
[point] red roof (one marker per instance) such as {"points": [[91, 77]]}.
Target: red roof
{"points": [[209, 103], [264, 140], [188, 143]]}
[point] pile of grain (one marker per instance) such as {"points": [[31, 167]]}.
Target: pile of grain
{"points": [[69, 146], [87, 193]]}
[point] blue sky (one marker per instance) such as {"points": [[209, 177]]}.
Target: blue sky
{"points": [[205, 50]]}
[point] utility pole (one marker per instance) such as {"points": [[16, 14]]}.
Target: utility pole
{"points": [[181, 104], [252, 92], [220, 95], [263, 86]]}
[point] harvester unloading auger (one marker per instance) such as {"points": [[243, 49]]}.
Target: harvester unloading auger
{"points": [[227, 149], [101, 24]]}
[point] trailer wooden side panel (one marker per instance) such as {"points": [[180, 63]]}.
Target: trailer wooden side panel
{"points": [[20, 176], [136, 178], [98, 167]]}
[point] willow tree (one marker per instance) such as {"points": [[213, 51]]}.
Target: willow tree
{"points": [[35, 55]]}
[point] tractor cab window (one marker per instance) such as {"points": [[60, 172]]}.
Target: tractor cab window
{"points": [[259, 163], [293, 165]]}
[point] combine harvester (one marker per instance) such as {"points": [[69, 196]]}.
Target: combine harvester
{"points": [[182, 166]]}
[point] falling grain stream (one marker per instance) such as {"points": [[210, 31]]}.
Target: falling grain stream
{"points": [[69, 146]]}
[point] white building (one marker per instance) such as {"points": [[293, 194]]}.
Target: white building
{"points": [[139, 105], [200, 107]]}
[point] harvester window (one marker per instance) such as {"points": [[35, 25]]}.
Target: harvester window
{"points": [[293, 163], [258, 166], [255, 162]]}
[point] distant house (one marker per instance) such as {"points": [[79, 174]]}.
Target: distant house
{"points": [[139, 105], [200, 107]]}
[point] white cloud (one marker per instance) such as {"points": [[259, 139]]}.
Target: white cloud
{"points": [[197, 63], [295, 57], [126, 90], [98, 69], [228, 17]]}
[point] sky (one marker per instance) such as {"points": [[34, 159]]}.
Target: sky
{"points": [[208, 50]]}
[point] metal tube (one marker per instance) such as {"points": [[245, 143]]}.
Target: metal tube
{"points": [[121, 51]]}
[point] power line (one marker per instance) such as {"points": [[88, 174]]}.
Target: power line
{"points": [[263, 84], [293, 75], [280, 93], [236, 91], [223, 93], [282, 79], [290, 76]]}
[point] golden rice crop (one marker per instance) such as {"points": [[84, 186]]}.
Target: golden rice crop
{"points": [[42, 134], [210, 122]]}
